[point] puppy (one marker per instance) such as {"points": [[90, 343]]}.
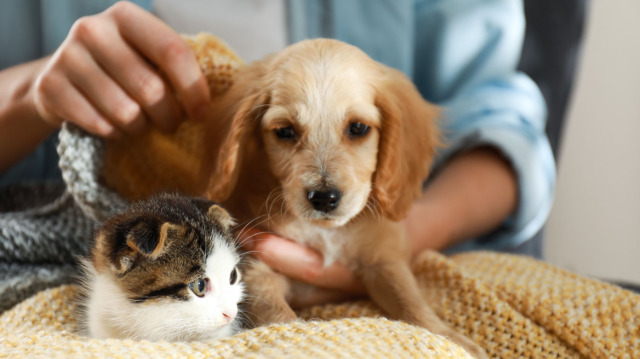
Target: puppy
{"points": [[331, 148]]}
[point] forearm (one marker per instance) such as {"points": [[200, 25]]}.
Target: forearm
{"points": [[470, 196], [21, 127]]}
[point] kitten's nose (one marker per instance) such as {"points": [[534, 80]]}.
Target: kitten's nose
{"points": [[229, 315], [325, 201]]}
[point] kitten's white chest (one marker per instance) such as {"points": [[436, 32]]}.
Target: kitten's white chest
{"points": [[328, 241]]}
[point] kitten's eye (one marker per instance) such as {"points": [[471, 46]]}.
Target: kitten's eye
{"points": [[234, 277], [358, 129], [199, 286], [285, 133]]}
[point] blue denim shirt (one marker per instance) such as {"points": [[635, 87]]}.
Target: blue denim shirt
{"points": [[461, 54]]}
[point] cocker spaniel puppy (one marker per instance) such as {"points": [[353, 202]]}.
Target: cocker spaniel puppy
{"points": [[331, 148]]}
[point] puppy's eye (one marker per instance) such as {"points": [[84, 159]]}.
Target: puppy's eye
{"points": [[199, 286], [358, 129], [285, 133], [235, 276]]}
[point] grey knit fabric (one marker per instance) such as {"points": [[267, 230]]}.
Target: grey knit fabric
{"points": [[20, 281], [81, 158], [45, 227]]}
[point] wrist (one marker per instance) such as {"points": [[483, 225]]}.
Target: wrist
{"points": [[431, 224], [22, 95], [470, 196], [21, 126]]}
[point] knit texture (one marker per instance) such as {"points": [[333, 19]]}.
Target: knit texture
{"points": [[514, 307], [81, 158], [42, 231]]}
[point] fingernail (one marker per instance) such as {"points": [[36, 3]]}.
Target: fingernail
{"points": [[109, 131], [115, 135]]}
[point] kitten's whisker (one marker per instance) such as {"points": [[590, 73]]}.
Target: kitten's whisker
{"points": [[278, 197], [247, 253], [246, 322], [266, 202], [241, 240], [256, 299], [241, 232], [248, 239]]}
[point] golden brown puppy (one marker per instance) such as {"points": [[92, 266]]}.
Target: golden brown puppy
{"points": [[331, 148]]}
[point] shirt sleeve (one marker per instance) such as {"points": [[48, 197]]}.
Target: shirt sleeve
{"points": [[466, 58]]}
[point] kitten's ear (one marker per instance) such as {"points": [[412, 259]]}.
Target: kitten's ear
{"points": [[124, 241], [214, 212], [149, 239], [220, 215]]}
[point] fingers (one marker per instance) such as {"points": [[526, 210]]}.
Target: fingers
{"points": [[119, 71], [54, 90], [304, 264], [163, 47], [138, 79], [106, 96]]}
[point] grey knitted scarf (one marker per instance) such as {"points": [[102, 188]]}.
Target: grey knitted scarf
{"points": [[44, 228]]}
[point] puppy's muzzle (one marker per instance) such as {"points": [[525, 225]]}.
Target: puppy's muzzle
{"points": [[324, 201]]}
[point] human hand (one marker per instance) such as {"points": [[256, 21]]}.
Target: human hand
{"points": [[424, 229], [302, 263], [333, 283], [106, 75], [336, 281]]}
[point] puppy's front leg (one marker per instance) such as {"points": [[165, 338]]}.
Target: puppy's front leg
{"points": [[393, 287], [267, 290]]}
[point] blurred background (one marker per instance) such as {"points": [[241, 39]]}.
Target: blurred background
{"points": [[594, 228]]}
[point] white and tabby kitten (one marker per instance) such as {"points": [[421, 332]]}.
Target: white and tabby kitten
{"points": [[165, 269]]}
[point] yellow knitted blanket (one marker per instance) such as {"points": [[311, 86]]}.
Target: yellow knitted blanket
{"points": [[513, 306]]}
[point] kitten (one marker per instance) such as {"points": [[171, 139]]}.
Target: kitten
{"points": [[165, 269]]}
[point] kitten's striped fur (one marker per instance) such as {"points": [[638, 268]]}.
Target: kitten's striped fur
{"points": [[165, 269]]}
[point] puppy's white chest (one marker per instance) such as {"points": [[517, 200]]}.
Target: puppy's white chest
{"points": [[328, 241]]}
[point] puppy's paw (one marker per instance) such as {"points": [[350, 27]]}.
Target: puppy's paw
{"points": [[265, 315], [284, 315], [467, 344], [426, 318]]}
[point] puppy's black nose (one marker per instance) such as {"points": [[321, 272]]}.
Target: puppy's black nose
{"points": [[324, 201]]}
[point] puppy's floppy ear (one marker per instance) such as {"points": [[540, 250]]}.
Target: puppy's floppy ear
{"points": [[245, 102], [409, 138]]}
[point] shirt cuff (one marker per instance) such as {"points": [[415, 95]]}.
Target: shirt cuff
{"points": [[509, 115]]}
